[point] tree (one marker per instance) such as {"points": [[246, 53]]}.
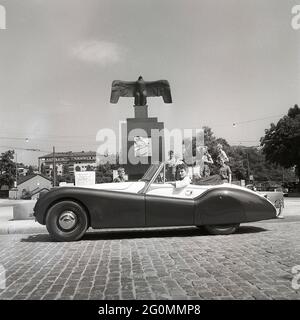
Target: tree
{"points": [[43, 169], [89, 168], [30, 171], [281, 143], [211, 142], [239, 158], [244, 161], [65, 170], [66, 174], [104, 172], [7, 169], [56, 175]]}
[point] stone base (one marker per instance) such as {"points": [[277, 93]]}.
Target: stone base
{"points": [[137, 169], [24, 210]]}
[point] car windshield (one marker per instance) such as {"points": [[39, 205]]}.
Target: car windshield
{"points": [[150, 172]]}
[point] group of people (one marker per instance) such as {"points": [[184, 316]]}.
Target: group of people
{"points": [[177, 170], [222, 160], [172, 171], [181, 169]]}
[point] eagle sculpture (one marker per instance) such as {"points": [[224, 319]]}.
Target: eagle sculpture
{"points": [[140, 90]]}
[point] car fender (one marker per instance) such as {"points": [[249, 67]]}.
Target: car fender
{"points": [[226, 205]]}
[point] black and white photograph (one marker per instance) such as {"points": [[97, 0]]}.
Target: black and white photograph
{"points": [[149, 151]]}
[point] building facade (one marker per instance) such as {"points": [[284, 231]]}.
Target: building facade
{"points": [[30, 185], [67, 162]]}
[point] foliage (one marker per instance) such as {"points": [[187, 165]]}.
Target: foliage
{"points": [[66, 175], [281, 143], [69, 178], [245, 161], [7, 169], [25, 194], [104, 172], [65, 169], [43, 169], [30, 171]]}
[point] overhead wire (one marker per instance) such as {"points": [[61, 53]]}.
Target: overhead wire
{"points": [[84, 138]]}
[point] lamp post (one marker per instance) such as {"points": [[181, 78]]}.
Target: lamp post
{"points": [[16, 182], [248, 166], [54, 168]]}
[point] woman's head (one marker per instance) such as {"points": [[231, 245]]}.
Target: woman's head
{"points": [[182, 170], [219, 146], [121, 172]]}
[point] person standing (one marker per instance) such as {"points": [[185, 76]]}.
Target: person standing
{"points": [[121, 175], [171, 165], [224, 172], [221, 153], [206, 161]]}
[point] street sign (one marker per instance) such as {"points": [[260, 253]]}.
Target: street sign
{"points": [[85, 178]]}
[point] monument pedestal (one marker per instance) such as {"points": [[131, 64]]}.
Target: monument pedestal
{"points": [[140, 112], [140, 158]]}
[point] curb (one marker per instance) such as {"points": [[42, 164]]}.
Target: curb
{"points": [[22, 227]]}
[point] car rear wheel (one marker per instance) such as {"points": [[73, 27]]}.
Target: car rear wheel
{"points": [[66, 221], [222, 229]]}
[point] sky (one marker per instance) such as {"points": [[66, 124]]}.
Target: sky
{"points": [[227, 61]]}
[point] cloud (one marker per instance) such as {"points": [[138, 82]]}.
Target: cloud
{"points": [[99, 52]]}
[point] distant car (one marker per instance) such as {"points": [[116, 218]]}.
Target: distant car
{"points": [[67, 212], [277, 198]]}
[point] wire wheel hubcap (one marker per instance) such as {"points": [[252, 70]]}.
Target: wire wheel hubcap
{"points": [[67, 220]]}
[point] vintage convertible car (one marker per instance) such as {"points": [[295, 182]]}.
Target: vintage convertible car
{"points": [[67, 212]]}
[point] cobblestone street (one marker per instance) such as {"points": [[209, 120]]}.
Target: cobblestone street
{"points": [[180, 263]]}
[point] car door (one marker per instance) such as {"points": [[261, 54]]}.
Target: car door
{"points": [[112, 209], [166, 206]]}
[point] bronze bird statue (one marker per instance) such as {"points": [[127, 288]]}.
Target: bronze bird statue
{"points": [[140, 90]]}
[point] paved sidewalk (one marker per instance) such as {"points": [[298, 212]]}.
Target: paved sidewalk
{"points": [[257, 262]]}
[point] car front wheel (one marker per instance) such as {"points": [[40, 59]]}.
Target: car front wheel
{"points": [[66, 221], [222, 229]]}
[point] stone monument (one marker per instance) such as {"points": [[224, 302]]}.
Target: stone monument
{"points": [[141, 147]]}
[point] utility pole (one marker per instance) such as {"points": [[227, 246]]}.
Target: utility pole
{"points": [[54, 168], [248, 165], [16, 185], [16, 168]]}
